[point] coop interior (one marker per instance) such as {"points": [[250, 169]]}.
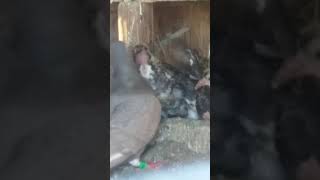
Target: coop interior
{"points": [[174, 36]]}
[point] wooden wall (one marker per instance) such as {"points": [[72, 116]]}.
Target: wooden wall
{"points": [[172, 16], [114, 21], [161, 18], [133, 28]]}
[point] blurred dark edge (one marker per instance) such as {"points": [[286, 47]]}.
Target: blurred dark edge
{"points": [[53, 89]]}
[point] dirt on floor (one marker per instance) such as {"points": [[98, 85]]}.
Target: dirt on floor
{"points": [[179, 142]]}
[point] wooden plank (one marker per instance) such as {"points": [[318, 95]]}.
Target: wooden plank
{"points": [[114, 22]]}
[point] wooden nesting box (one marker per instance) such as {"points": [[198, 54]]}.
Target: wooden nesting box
{"points": [[147, 21]]}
